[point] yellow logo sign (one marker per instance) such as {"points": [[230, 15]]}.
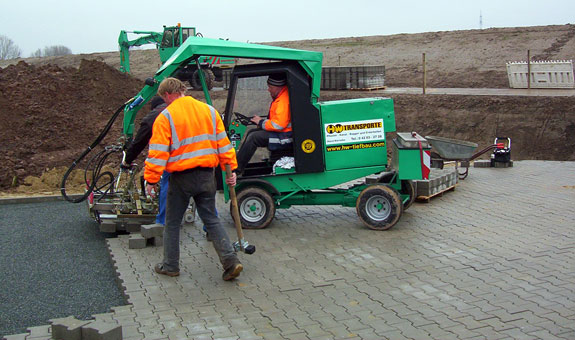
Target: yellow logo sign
{"points": [[308, 146], [334, 128]]}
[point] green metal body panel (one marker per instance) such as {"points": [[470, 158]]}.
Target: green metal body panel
{"points": [[407, 161], [354, 132], [304, 189], [322, 180]]}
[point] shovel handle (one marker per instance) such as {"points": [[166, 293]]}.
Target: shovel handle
{"points": [[235, 210]]}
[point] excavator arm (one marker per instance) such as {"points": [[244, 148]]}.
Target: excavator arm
{"points": [[125, 44]]}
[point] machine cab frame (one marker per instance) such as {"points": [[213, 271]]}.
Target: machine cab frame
{"points": [[307, 147]]}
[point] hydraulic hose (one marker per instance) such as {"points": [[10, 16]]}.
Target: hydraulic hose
{"points": [[96, 142]]}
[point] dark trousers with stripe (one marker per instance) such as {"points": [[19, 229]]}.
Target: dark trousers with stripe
{"points": [[254, 139], [198, 183]]}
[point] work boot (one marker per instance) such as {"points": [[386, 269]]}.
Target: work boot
{"points": [[159, 268], [232, 268]]}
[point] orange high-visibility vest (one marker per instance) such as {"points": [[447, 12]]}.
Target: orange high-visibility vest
{"points": [[188, 134], [279, 119]]}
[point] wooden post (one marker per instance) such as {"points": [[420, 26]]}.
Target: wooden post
{"points": [[424, 74], [528, 69]]}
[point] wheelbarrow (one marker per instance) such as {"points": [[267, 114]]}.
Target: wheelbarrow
{"points": [[458, 151]]}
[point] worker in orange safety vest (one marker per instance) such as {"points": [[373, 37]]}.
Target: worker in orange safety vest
{"points": [[275, 132], [189, 141]]}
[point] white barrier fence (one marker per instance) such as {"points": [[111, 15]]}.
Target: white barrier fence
{"points": [[544, 74]]}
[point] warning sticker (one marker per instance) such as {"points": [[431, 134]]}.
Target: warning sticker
{"points": [[354, 132]]}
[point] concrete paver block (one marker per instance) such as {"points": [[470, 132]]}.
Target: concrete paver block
{"points": [[39, 332], [158, 241], [68, 328], [15, 337], [152, 230], [108, 227], [136, 241], [482, 163], [133, 227], [102, 330], [503, 164]]}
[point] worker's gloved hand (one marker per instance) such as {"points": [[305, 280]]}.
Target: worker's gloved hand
{"points": [[125, 166], [151, 190]]}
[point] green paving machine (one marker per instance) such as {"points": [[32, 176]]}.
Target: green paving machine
{"points": [[336, 145]]}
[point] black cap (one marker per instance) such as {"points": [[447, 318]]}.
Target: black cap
{"points": [[157, 100], [277, 79]]}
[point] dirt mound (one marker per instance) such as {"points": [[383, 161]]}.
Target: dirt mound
{"points": [[539, 127], [49, 115]]}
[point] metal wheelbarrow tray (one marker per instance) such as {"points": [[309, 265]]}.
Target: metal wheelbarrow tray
{"points": [[452, 149]]}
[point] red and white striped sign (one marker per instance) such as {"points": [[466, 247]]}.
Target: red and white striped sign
{"points": [[425, 164]]}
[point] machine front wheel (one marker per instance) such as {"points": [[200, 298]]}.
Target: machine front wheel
{"points": [[190, 214], [257, 208], [379, 207], [408, 188]]}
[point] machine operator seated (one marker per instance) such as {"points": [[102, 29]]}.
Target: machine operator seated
{"points": [[273, 132]]}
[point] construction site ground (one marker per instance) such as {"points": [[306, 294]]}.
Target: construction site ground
{"points": [[493, 259]]}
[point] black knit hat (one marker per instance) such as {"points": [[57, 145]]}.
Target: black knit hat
{"points": [[277, 79], [157, 100]]}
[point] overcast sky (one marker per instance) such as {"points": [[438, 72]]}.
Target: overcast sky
{"points": [[93, 26]]}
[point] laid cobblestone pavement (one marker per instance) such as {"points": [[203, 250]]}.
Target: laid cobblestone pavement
{"points": [[493, 259]]}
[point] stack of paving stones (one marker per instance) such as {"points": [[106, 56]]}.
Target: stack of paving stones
{"points": [[440, 180], [112, 226], [150, 235], [486, 163], [71, 328]]}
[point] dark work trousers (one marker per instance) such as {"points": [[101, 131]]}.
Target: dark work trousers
{"points": [[198, 183], [254, 139]]}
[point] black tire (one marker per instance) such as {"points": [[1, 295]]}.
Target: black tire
{"points": [[408, 188], [256, 207], [379, 207], [208, 76]]}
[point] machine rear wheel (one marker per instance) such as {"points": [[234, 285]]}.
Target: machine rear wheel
{"points": [[208, 76], [257, 208], [379, 207]]}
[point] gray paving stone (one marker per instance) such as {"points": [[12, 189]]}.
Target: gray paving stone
{"points": [[102, 330], [151, 230], [21, 336], [68, 328], [137, 241], [39, 332]]}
